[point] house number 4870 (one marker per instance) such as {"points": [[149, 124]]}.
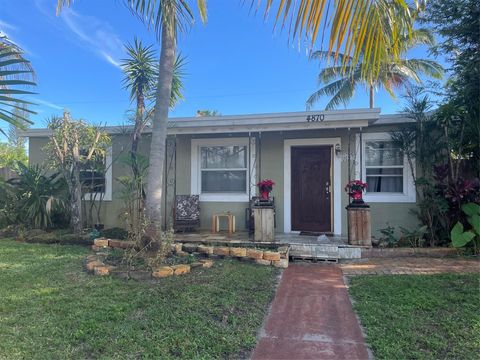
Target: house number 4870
{"points": [[315, 118]]}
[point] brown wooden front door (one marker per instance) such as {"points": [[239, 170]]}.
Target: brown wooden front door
{"points": [[311, 188]]}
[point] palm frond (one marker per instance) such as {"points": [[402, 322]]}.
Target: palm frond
{"points": [[427, 67], [340, 92], [140, 69], [176, 15], [358, 28], [330, 73], [179, 74], [16, 78]]}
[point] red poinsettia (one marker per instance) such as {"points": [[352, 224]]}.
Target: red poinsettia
{"points": [[355, 186], [355, 189], [265, 186]]}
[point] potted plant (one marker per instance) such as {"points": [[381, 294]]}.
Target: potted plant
{"points": [[265, 187], [355, 189]]}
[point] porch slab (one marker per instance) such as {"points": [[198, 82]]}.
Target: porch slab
{"points": [[301, 246]]}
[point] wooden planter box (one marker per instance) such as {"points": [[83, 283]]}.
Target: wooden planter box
{"points": [[359, 225], [264, 224]]}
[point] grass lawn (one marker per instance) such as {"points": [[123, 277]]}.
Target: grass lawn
{"points": [[419, 317], [50, 308]]}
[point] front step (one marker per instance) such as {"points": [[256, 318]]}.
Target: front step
{"points": [[314, 260], [324, 252]]}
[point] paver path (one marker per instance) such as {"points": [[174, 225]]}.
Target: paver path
{"points": [[410, 265], [311, 318]]}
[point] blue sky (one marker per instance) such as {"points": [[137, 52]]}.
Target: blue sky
{"points": [[237, 64]]}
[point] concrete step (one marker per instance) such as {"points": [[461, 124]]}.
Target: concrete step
{"points": [[324, 251]]}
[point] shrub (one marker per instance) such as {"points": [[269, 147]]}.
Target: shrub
{"points": [[33, 196], [388, 238], [414, 238], [114, 233]]}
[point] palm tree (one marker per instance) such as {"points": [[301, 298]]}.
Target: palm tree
{"points": [[141, 72], [168, 17], [340, 86], [15, 71]]}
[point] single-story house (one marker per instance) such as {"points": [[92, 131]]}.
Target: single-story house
{"points": [[309, 155]]}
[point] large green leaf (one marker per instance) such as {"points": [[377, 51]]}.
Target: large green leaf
{"points": [[471, 209], [459, 237], [474, 220]]}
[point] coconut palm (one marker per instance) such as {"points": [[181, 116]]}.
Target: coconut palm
{"points": [[16, 74], [340, 85]]}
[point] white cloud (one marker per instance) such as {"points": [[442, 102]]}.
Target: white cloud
{"points": [[4, 25], [48, 104], [96, 35]]}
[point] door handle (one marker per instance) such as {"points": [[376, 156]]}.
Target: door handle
{"points": [[327, 187]]}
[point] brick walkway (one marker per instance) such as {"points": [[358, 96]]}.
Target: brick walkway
{"points": [[409, 265], [311, 318]]}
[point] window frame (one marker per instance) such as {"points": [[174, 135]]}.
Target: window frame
{"points": [[407, 196], [108, 181], [196, 170]]}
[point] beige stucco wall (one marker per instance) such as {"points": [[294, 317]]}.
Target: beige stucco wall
{"points": [[270, 164]]}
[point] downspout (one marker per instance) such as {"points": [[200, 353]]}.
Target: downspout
{"points": [[249, 165], [349, 161], [260, 155], [361, 155]]}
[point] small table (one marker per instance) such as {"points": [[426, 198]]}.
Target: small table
{"points": [[216, 222]]}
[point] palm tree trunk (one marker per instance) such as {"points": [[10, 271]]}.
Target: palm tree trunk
{"points": [[137, 133], [159, 127], [372, 96]]}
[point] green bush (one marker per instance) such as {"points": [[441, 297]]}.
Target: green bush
{"points": [[114, 233], [32, 197]]}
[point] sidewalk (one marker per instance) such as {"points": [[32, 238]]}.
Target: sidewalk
{"points": [[410, 266], [311, 318]]}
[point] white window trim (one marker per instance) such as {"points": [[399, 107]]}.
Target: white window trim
{"points": [[196, 179], [108, 180], [408, 195], [336, 181]]}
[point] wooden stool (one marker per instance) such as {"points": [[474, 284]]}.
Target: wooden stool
{"points": [[216, 222]]}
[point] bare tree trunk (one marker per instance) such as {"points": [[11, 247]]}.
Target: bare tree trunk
{"points": [[137, 133], [75, 203], [159, 127], [372, 96]]}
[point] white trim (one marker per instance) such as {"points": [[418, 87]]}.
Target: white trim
{"points": [[108, 179], [337, 178], [408, 195], [195, 184]]}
